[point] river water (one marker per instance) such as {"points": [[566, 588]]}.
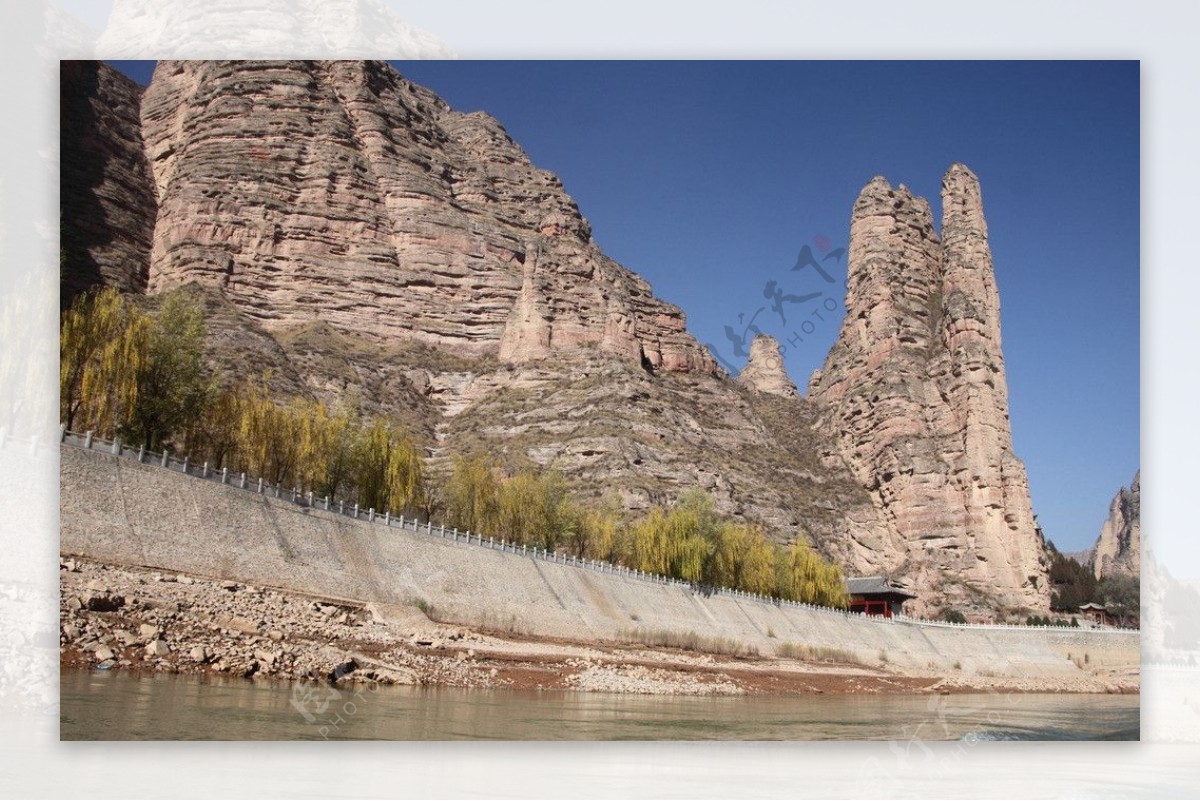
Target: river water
{"points": [[103, 705]]}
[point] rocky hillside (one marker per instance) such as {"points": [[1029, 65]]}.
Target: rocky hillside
{"points": [[351, 233], [1118, 549]]}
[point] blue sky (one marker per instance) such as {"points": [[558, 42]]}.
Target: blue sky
{"points": [[708, 178]]}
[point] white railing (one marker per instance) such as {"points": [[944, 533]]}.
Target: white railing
{"points": [[166, 461]]}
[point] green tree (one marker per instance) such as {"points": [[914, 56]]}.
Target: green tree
{"points": [[953, 616], [1122, 595], [172, 382], [213, 435]]}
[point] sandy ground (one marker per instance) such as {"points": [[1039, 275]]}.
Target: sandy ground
{"points": [[144, 620]]}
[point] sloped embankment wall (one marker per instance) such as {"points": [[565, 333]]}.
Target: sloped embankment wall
{"points": [[119, 511]]}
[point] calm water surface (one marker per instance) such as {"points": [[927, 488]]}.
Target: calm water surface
{"points": [[102, 705]]}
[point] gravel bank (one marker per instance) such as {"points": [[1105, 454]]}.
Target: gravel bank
{"points": [[125, 618]]}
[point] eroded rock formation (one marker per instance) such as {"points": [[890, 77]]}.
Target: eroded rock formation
{"points": [[1118, 549], [915, 391], [764, 371]]}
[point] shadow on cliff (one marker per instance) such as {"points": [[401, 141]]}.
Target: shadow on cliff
{"points": [[84, 226]]}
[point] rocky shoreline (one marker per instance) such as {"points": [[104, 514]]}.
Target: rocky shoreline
{"points": [[144, 620]]}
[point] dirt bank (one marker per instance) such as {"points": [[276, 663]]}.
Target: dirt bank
{"points": [[144, 620]]}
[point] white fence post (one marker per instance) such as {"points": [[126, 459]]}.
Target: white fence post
{"points": [[260, 485], [87, 440], [224, 475]]}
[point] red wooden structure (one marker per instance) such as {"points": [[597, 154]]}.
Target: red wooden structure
{"points": [[873, 595]]}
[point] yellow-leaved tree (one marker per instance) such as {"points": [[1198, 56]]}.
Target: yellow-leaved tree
{"points": [[472, 494], [103, 350], [388, 469]]}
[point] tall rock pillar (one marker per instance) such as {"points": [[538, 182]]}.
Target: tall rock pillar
{"points": [[914, 391]]}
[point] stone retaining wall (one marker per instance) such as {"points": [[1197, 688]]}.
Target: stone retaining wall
{"points": [[117, 510]]}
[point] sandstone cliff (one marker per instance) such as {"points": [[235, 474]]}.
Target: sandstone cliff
{"points": [[764, 372], [107, 210], [915, 392], [351, 233], [1118, 549], [341, 192]]}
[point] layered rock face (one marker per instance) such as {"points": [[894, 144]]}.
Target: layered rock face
{"points": [[764, 371], [104, 181], [915, 391], [342, 192], [1118, 549]]}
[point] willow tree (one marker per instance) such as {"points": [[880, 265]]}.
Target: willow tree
{"points": [[103, 350], [173, 384], [758, 563], [388, 475], [472, 495], [268, 434], [213, 435], [743, 559], [597, 530], [329, 447], [804, 576], [648, 546], [536, 510]]}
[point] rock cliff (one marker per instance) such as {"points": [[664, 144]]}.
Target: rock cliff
{"points": [[339, 191], [107, 210], [764, 372], [914, 391], [1118, 549], [352, 233]]}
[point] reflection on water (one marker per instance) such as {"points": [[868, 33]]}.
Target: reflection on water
{"points": [[102, 705]]}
